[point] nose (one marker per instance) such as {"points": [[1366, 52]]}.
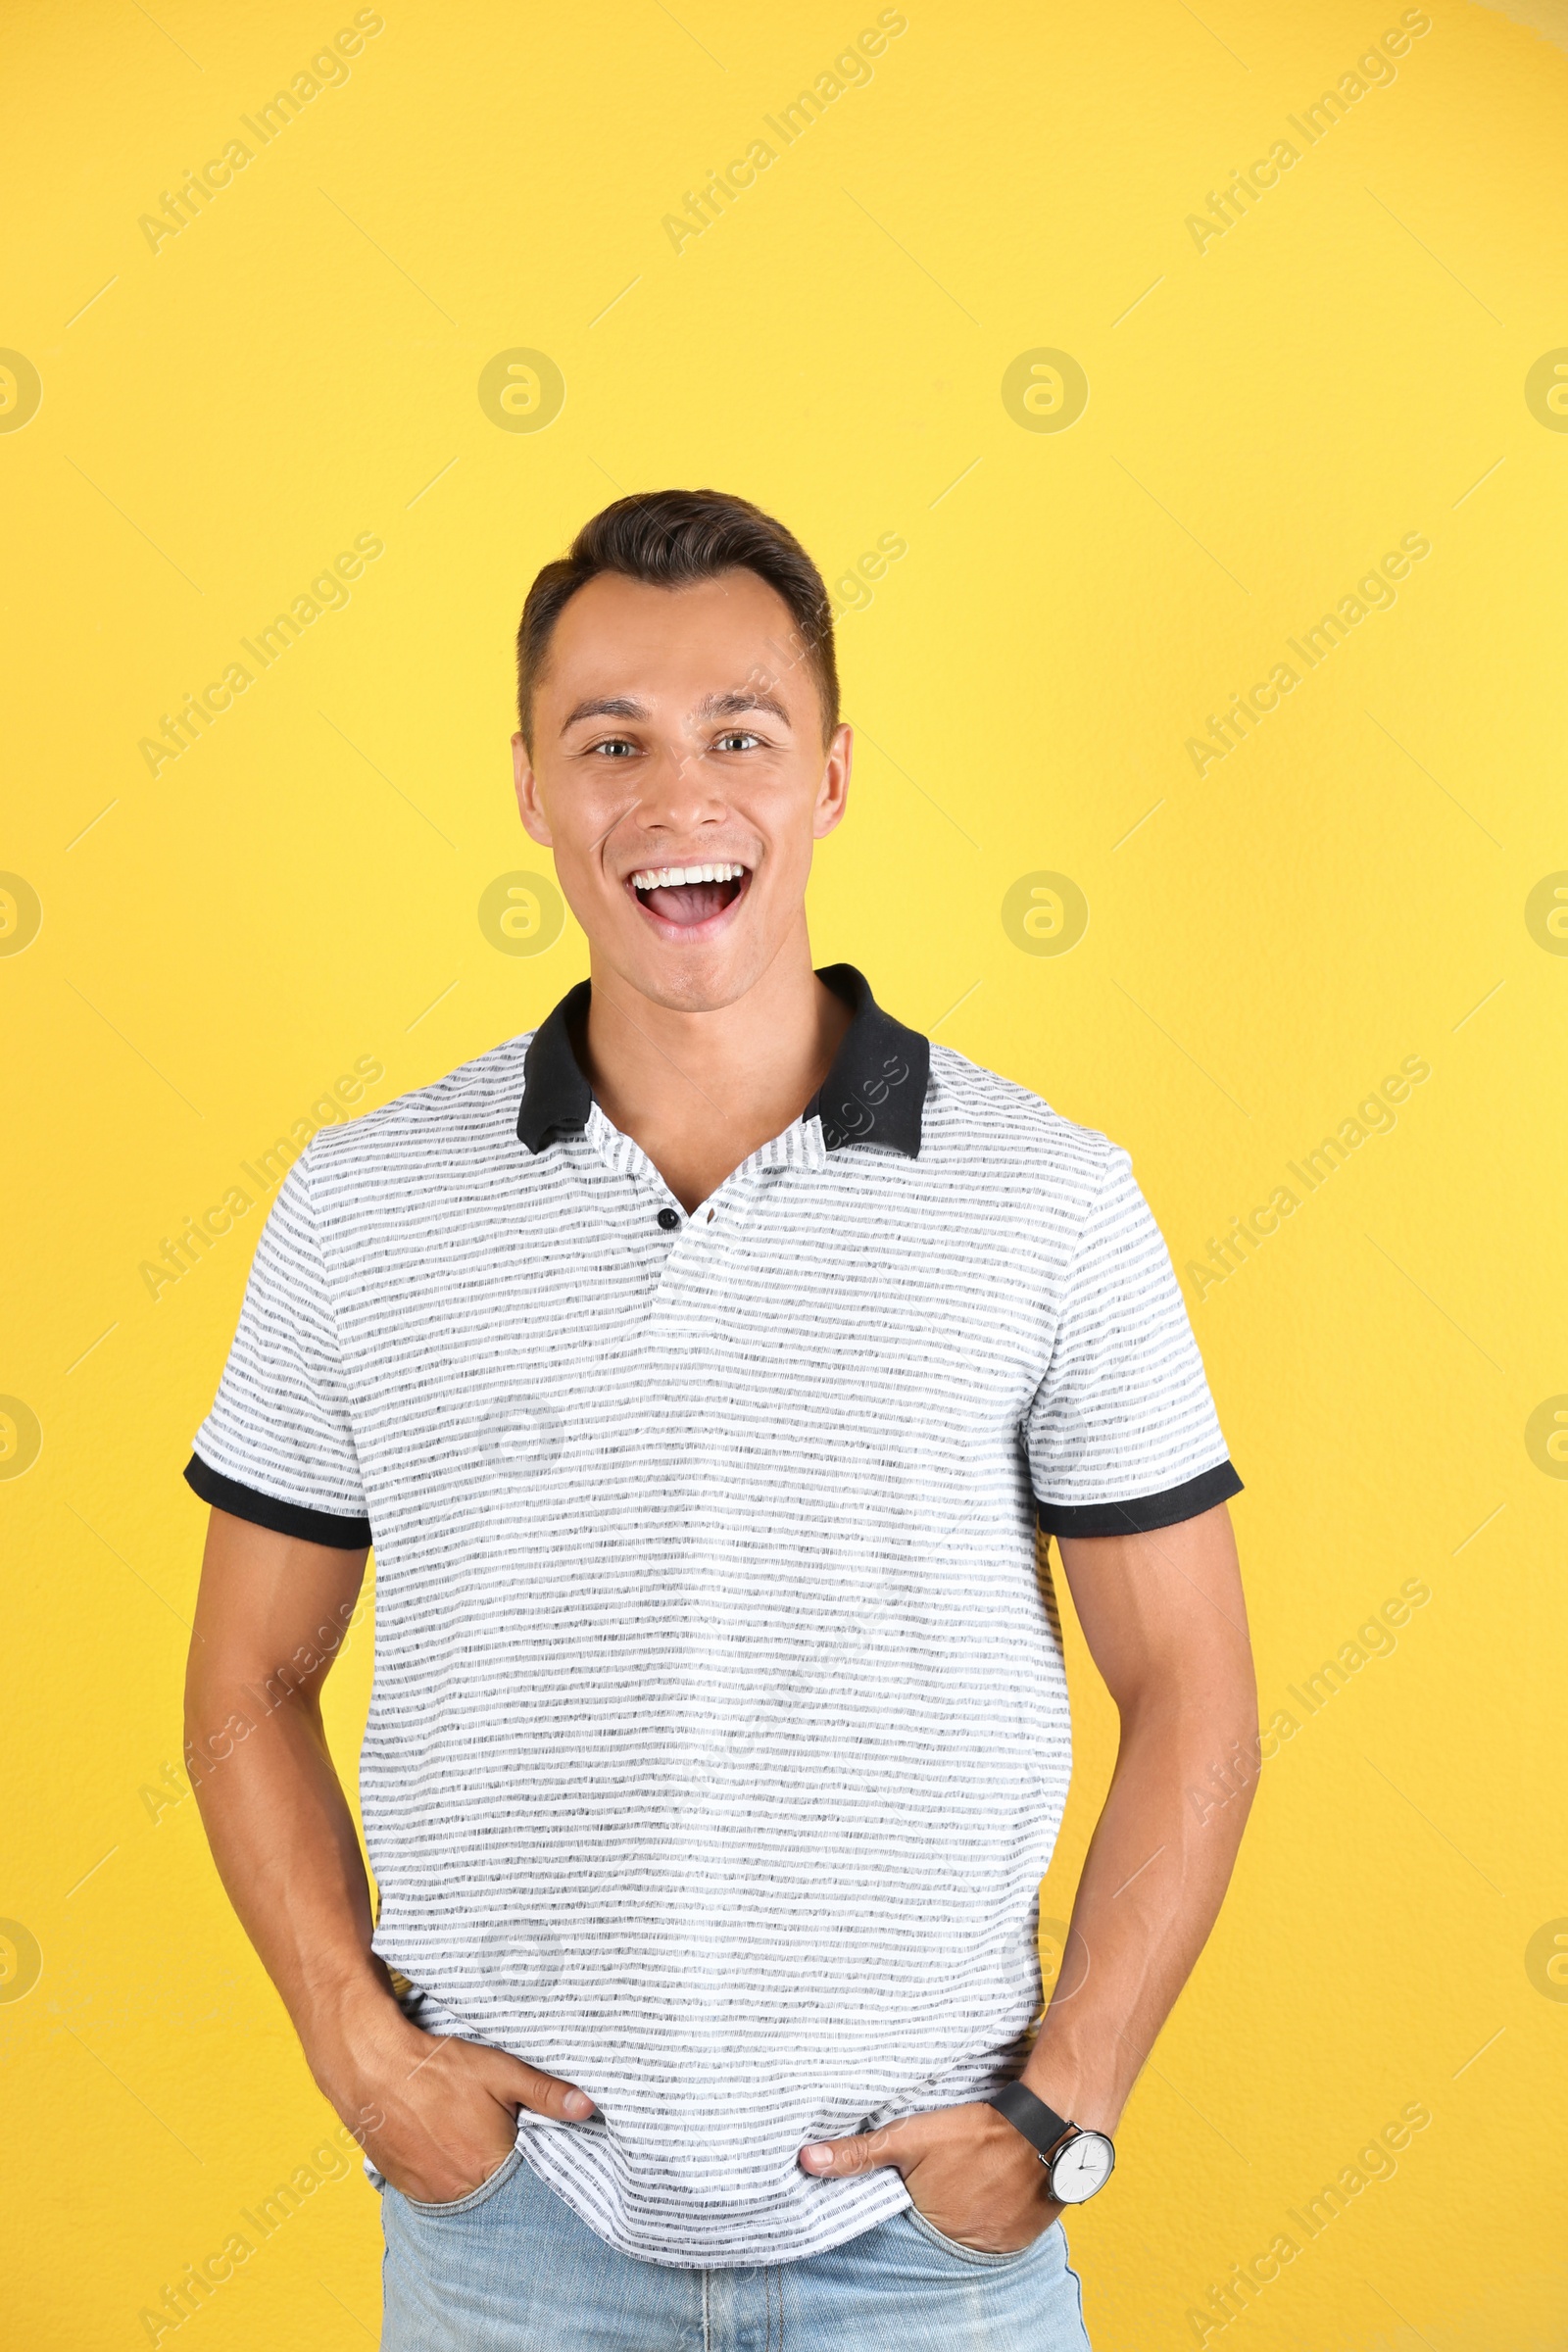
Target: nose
{"points": [[678, 793]]}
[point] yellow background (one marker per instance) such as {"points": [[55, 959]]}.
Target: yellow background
{"points": [[1266, 941]]}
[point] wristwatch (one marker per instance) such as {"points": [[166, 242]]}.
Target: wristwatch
{"points": [[1077, 2163]]}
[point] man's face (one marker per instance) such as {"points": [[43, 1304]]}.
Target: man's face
{"points": [[675, 729]]}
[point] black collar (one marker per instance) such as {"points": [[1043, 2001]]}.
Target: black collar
{"points": [[556, 1096], [874, 1092]]}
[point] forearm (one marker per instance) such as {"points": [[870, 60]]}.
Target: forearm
{"points": [[436, 2114], [283, 1840], [270, 1620], [1151, 1887]]}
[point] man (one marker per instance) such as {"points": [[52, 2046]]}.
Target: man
{"points": [[703, 1366]]}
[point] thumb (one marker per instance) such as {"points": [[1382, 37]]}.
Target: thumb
{"points": [[861, 2152], [542, 2093]]}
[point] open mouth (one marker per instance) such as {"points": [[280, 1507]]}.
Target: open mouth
{"points": [[686, 896]]}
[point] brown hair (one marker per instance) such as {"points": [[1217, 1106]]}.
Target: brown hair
{"points": [[671, 539]]}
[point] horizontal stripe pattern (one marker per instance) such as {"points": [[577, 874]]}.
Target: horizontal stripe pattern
{"points": [[720, 1734]]}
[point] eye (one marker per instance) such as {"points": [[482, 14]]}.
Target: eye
{"points": [[736, 741], [615, 747]]}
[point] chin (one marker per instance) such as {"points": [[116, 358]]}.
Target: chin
{"points": [[701, 979]]}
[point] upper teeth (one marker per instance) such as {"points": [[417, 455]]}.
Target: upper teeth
{"points": [[673, 877]]}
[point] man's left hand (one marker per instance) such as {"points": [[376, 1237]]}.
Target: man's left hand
{"points": [[969, 2173]]}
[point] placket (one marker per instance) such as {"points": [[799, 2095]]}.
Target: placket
{"points": [[696, 1245], [698, 1248]]}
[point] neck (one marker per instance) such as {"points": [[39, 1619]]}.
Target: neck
{"points": [[702, 1090]]}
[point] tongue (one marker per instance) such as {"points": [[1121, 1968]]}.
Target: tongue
{"points": [[691, 902]]}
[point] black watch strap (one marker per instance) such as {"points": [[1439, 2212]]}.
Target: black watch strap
{"points": [[1042, 2126]]}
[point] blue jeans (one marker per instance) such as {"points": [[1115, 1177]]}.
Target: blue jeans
{"points": [[513, 2269]]}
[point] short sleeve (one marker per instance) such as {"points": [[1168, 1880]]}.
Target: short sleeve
{"points": [[277, 1448], [1122, 1435]]}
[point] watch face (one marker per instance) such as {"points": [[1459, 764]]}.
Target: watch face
{"points": [[1083, 2166]]}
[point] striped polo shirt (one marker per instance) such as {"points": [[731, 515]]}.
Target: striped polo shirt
{"points": [[719, 1733]]}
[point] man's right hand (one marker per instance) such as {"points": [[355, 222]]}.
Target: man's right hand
{"points": [[435, 2115]]}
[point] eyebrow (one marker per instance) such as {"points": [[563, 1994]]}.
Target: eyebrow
{"points": [[730, 705], [714, 705], [611, 706]]}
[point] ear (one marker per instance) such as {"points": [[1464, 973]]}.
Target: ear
{"points": [[530, 806], [832, 794]]}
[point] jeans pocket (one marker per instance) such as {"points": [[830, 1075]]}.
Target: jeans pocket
{"points": [[476, 2196], [980, 2256]]}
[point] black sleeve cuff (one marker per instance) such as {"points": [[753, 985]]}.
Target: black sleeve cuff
{"points": [[266, 1510], [1139, 1515]]}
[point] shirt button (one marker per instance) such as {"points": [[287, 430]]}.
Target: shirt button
{"points": [[668, 1219]]}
